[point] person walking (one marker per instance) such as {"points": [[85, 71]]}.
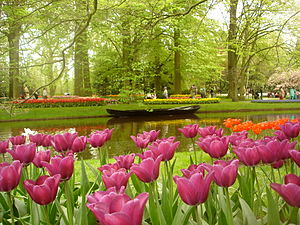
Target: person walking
{"points": [[165, 92], [45, 93], [26, 92]]}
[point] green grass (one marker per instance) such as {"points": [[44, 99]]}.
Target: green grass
{"points": [[73, 112]]}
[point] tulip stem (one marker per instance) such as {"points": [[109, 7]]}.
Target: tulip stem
{"points": [[199, 214], [69, 198], [11, 207], [229, 212], [195, 153], [46, 214]]}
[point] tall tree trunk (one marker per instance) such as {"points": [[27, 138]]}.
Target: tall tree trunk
{"points": [[14, 59], [126, 62], [82, 83], [177, 62], [232, 51], [86, 67]]}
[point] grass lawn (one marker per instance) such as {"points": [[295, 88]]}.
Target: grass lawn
{"points": [[78, 112]]}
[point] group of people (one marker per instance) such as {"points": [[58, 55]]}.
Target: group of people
{"points": [[26, 94]]}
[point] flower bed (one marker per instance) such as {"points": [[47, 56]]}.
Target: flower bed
{"points": [[183, 96], [49, 103], [251, 179], [182, 101]]}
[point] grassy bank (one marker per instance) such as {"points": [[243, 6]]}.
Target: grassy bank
{"points": [[78, 112]]}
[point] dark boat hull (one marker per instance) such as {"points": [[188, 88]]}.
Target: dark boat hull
{"points": [[152, 112]]}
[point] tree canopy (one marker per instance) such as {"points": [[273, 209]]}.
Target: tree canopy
{"points": [[88, 47]]}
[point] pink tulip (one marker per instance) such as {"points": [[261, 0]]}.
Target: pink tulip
{"points": [[295, 156], [79, 144], [46, 141], [292, 178], [4, 146], [141, 141], [125, 161], [189, 131], [63, 142], [60, 165], [153, 134], [225, 173], [194, 190], [37, 139], [237, 137], [111, 208], [165, 148], [10, 175], [278, 164], [275, 150], [114, 166], [210, 130], [214, 145], [290, 191], [18, 140], [249, 156], [24, 153], [148, 170], [148, 154], [43, 191], [291, 130], [98, 139], [41, 156], [280, 135], [115, 178], [109, 133], [192, 169]]}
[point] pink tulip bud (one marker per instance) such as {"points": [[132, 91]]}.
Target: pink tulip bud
{"points": [[148, 170], [63, 142], [214, 145], [97, 139], [194, 190], [248, 156], [37, 139], [225, 172], [140, 140], [46, 141], [116, 178], [43, 191], [165, 148], [291, 130], [10, 175], [60, 165], [189, 131], [4, 146], [125, 161], [79, 144], [24, 153], [111, 208], [295, 156], [153, 134], [210, 130], [290, 191], [18, 140], [41, 156]]}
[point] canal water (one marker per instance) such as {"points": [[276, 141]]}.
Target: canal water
{"points": [[121, 142]]}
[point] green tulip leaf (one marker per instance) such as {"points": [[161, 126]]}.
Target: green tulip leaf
{"points": [[248, 214]]}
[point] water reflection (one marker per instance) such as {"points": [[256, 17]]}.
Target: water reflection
{"points": [[125, 127]]}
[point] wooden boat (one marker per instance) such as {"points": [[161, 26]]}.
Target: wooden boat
{"points": [[154, 112]]}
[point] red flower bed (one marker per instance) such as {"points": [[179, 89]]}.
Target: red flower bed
{"points": [[47, 103]]}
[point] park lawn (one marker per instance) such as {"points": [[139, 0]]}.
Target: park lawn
{"points": [[100, 111]]}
